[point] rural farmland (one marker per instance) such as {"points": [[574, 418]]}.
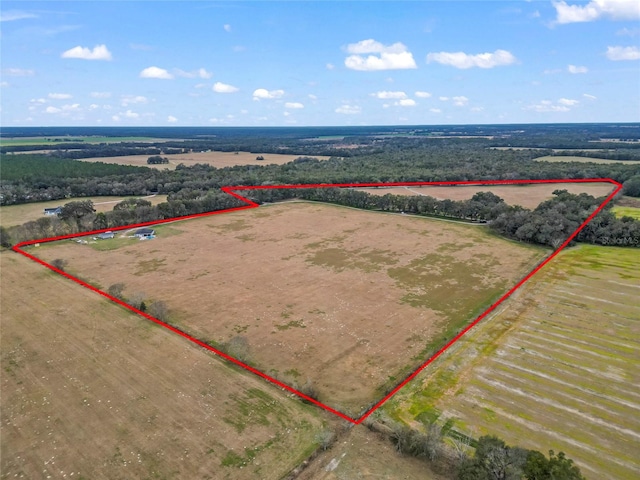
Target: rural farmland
{"points": [[91, 390], [556, 368], [213, 158], [335, 301], [528, 196]]}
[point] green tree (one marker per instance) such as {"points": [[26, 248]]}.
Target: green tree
{"points": [[559, 467]]}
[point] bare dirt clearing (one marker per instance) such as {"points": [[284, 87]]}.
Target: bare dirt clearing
{"points": [[90, 390], [215, 159], [528, 196], [558, 368], [18, 214], [343, 300]]}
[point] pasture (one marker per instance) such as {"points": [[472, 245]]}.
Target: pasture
{"points": [[333, 300], [215, 159], [528, 196], [633, 212], [11, 215], [555, 159], [45, 141], [91, 390], [557, 368]]}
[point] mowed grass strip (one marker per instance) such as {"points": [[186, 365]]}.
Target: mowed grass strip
{"points": [[351, 300], [563, 370], [576, 159], [90, 390]]}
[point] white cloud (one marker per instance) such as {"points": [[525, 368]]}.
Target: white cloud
{"points": [[59, 96], [53, 110], [443, 99], [93, 106], [435, 110], [460, 101], [348, 109], [38, 100], [384, 57], [330, 66], [480, 60], [293, 105], [227, 27], [613, 9], [262, 93], [155, 72], [422, 94], [133, 99], [99, 52], [576, 69], [562, 105], [568, 102], [590, 97], [4, 84], [312, 96], [171, 119], [18, 72], [623, 53], [200, 73], [628, 32], [220, 87], [384, 95], [405, 102], [115, 118], [70, 108], [100, 94], [130, 114], [477, 109], [12, 15]]}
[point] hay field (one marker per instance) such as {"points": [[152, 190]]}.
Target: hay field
{"points": [[347, 301], [558, 368], [633, 212], [11, 215], [528, 196], [90, 390], [215, 159], [554, 159]]}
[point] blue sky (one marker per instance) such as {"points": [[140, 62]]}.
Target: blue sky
{"points": [[319, 63]]}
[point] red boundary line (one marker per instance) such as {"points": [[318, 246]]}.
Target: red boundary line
{"points": [[250, 204]]}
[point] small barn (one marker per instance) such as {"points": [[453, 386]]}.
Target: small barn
{"points": [[106, 235], [53, 211], [145, 233]]}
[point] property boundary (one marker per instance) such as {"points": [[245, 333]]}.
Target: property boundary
{"points": [[231, 190]]}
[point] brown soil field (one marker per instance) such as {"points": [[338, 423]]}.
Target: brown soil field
{"points": [[557, 368], [91, 390], [528, 196], [216, 159], [346, 301], [11, 215]]}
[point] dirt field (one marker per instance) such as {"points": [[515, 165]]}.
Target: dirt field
{"points": [[364, 454], [528, 196], [216, 159], [558, 368], [90, 390], [554, 159], [18, 214], [346, 301]]}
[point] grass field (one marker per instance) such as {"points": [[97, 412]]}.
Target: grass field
{"points": [[633, 212], [92, 391], [528, 196], [216, 159], [554, 159], [45, 141], [557, 368], [345, 300], [18, 214]]}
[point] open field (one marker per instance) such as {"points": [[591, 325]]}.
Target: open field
{"points": [[553, 159], [18, 214], [216, 159], [92, 391], [343, 300], [557, 368], [362, 453], [36, 141], [633, 212], [528, 196]]}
